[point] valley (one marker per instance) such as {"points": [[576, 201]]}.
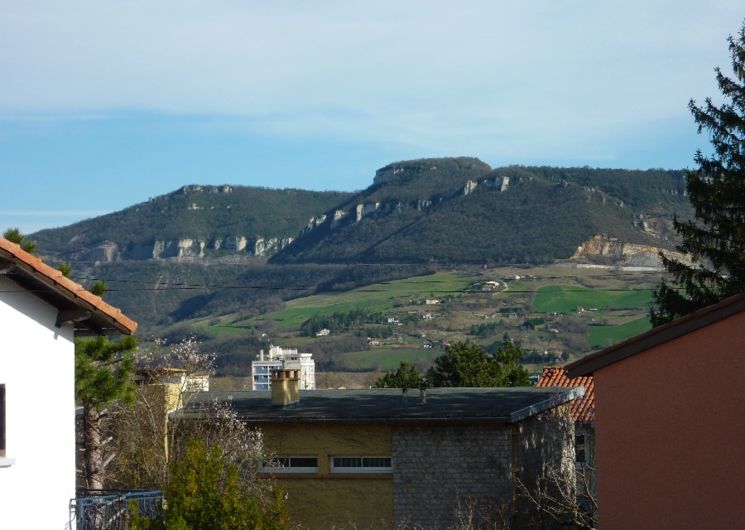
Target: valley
{"points": [[557, 313], [434, 251]]}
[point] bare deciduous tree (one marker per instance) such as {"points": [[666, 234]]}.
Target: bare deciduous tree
{"points": [[556, 501], [150, 432]]}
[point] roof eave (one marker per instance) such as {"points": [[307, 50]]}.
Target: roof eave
{"points": [[559, 398], [104, 317]]}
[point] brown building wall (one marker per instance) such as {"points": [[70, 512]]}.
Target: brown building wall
{"points": [[325, 500], [670, 433]]}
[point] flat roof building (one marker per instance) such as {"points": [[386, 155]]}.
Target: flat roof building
{"points": [[380, 458], [280, 358]]}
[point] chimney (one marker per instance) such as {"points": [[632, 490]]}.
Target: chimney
{"points": [[285, 387], [423, 390]]}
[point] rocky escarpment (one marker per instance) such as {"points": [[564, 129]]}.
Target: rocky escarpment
{"points": [[607, 249], [110, 251], [357, 211], [195, 222]]}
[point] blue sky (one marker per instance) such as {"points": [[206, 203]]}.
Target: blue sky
{"points": [[106, 103]]}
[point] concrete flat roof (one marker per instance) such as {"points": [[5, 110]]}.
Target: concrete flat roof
{"points": [[499, 405]]}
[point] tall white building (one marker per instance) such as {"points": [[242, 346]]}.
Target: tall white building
{"points": [[279, 359]]}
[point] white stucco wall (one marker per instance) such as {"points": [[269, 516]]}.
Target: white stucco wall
{"points": [[37, 367]]}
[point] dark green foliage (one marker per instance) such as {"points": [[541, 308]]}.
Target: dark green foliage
{"points": [[99, 288], [378, 332], [531, 323], [468, 364], [14, 235], [486, 330], [157, 293], [192, 212], [406, 376], [651, 189], [716, 188], [205, 492], [339, 321], [65, 268], [104, 371], [543, 215]]}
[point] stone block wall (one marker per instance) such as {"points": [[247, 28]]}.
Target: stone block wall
{"points": [[545, 467], [443, 472]]}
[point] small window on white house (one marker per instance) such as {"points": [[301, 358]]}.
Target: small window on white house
{"points": [[2, 420], [579, 448], [290, 464], [361, 464]]}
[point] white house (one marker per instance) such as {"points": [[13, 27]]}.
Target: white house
{"points": [[41, 313]]}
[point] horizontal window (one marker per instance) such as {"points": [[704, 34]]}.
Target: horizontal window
{"points": [[291, 464], [361, 464]]}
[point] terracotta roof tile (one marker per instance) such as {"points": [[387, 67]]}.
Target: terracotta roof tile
{"points": [[582, 408], [71, 290]]}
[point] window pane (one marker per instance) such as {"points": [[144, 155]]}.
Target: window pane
{"points": [[350, 464], [579, 448], [303, 461], [291, 464]]}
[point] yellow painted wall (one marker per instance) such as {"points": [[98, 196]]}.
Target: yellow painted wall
{"points": [[325, 500]]}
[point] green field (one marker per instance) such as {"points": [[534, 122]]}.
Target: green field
{"points": [[383, 359], [220, 330], [601, 336], [566, 298], [373, 298]]}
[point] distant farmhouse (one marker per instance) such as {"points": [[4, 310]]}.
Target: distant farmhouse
{"points": [[670, 423], [282, 358], [41, 314], [381, 458]]}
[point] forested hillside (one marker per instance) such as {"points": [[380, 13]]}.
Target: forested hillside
{"points": [[195, 221], [461, 211], [201, 251]]}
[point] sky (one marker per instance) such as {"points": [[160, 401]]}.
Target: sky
{"points": [[105, 103]]}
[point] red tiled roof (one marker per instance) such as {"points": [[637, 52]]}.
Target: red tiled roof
{"points": [[54, 281], [582, 408]]}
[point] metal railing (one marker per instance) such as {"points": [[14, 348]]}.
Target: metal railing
{"points": [[110, 509]]}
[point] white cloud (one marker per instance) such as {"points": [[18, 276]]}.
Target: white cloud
{"points": [[433, 73]]}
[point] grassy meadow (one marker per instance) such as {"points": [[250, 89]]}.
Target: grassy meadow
{"points": [[372, 298], [567, 298]]}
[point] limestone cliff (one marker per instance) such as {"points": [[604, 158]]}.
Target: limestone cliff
{"points": [[607, 248], [110, 251]]}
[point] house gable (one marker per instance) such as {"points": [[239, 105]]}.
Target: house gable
{"points": [[76, 305]]}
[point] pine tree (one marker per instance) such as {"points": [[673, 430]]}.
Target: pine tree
{"points": [[468, 364], [65, 268], [104, 373], [14, 235], [715, 239], [406, 376]]}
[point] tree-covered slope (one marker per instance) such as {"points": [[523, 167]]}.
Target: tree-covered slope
{"points": [[191, 221], [461, 211], [441, 210]]}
